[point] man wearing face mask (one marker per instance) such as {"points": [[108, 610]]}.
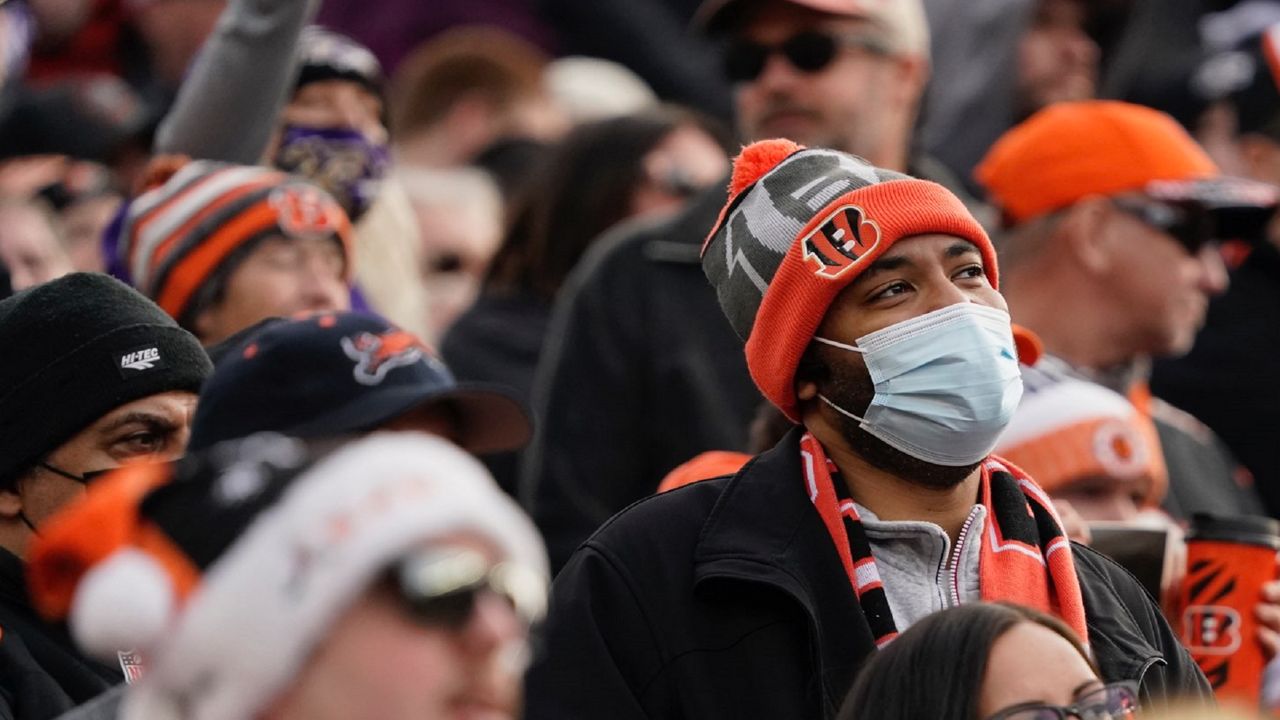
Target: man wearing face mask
{"points": [[332, 130], [328, 126], [308, 101], [867, 301], [94, 376]]}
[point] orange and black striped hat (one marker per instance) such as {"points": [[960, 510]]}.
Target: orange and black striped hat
{"points": [[193, 223]]}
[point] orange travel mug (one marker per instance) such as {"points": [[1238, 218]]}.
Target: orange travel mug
{"points": [[1228, 561]]}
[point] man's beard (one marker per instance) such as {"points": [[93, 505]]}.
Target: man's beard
{"points": [[852, 389]]}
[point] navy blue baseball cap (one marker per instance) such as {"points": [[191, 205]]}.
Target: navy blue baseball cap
{"points": [[331, 374]]}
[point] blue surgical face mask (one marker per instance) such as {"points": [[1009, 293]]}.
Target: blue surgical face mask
{"points": [[343, 161], [946, 383]]}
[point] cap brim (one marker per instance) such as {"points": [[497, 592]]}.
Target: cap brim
{"points": [[493, 419], [1240, 208]]}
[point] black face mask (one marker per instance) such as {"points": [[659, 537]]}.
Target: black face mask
{"points": [[84, 479]]}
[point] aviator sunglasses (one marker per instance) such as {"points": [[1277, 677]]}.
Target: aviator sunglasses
{"points": [[809, 52], [441, 588], [1191, 226]]}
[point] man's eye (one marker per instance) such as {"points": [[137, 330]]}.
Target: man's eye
{"points": [[971, 271], [893, 289], [142, 443]]}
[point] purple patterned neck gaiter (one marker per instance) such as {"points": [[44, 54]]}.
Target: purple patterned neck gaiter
{"points": [[340, 160]]}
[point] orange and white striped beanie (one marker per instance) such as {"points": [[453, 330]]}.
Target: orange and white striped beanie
{"points": [[192, 222], [1076, 429]]}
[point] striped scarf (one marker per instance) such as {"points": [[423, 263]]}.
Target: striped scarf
{"points": [[1025, 556]]}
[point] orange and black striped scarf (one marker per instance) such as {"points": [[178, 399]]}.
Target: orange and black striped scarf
{"points": [[1025, 557]]}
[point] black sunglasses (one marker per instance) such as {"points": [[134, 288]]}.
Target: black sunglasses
{"points": [[440, 588], [1190, 225], [809, 52]]}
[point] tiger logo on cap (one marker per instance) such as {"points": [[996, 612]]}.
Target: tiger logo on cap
{"points": [[377, 354]]}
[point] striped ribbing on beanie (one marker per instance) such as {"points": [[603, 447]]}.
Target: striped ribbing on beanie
{"points": [[177, 236]]}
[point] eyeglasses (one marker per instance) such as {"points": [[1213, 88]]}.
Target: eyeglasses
{"points": [[441, 587], [1114, 701], [809, 52], [1191, 226]]}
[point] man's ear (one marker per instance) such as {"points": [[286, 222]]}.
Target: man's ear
{"points": [[911, 75], [1260, 156], [806, 390], [1083, 234], [204, 323], [10, 501]]}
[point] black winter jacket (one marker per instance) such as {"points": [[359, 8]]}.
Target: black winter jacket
{"points": [[641, 371], [1230, 380], [42, 674], [726, 599], [498, 340]]}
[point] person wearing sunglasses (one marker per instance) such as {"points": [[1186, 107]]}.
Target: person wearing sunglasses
{"points": [[94, 376], [1229, 380], [1113, 219], [843, 75], [987, 661], [383, 577]]}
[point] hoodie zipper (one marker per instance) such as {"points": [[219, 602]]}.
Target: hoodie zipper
{"points": [[956, 550], [1150, 662]]}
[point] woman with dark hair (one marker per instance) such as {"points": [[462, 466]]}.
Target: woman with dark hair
{"points": [[602, 173], [642, 165], [987, 661]]}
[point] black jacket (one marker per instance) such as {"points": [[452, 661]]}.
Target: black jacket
{"points": [[1230, 379], [726, 599], [498, 340], [641, 371], [41, 672]]}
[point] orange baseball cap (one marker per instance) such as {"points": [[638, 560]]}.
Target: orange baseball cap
{"points": [[1071, 150]]}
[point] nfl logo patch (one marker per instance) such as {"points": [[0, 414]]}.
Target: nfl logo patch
{"points": [[131, 666]]}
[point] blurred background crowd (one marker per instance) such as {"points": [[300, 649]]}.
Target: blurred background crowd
{"points": [[524, 186]]}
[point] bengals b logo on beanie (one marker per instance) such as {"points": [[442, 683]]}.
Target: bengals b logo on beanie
{"points": [[799, 226]]}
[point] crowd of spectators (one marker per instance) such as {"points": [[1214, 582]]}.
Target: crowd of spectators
{"points": [[649, 359]]}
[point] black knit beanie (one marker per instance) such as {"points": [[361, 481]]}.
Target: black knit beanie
{"points": [[326, 55], [76, 348]]}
